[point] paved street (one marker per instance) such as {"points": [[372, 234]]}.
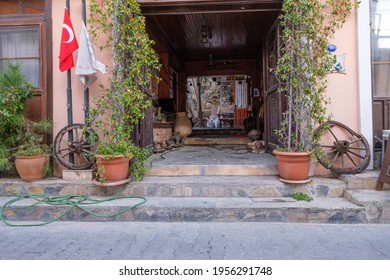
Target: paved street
{"points": [[194, 241]]}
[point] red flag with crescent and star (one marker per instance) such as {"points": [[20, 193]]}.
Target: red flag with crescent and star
{"points": [[68, 44]]}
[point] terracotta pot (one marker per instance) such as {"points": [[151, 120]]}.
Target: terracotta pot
{"points": [[113, 169], [293, 166], [31, 168], [183, 125]]}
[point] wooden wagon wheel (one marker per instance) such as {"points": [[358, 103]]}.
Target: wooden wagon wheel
{"points": [[77, 153], [343, 150]]}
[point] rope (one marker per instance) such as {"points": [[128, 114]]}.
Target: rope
{"points": [[73, 201]]}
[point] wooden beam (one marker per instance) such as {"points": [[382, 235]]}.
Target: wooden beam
{"points": [[163, 7], [203, 2]]}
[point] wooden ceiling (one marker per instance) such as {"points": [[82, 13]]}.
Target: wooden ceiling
{"points": [[236, 28]]}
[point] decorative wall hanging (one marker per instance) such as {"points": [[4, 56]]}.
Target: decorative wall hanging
{"points": [[339, 66]]}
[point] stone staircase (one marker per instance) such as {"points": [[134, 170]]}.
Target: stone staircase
{"points": [[209, 198], [178, 189]]}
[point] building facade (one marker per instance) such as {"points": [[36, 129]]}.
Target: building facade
{"points": [[30, 32]]}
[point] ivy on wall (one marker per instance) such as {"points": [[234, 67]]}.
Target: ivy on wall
{"points": [[308, 26], [123, 102]]}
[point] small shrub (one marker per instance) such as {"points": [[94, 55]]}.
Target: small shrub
{"points": [[301, 197]]}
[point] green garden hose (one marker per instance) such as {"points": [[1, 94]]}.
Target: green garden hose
{"points": [[73, 201], [162, 155]]}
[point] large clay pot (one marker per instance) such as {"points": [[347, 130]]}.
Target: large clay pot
{"points": [[293, 166], [31, 168], [183, 125], [113, 169]]}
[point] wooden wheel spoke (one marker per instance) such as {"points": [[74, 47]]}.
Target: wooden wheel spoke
{"points": [[331, 152], [64, 155], [75, 135], [65, 141], [357, 148], [86, 152], [334, 136], [357, 155], [64, 149], [88, 146], [355, 141], [351, 159], [336, 156], [84, 156], [327, 146]]}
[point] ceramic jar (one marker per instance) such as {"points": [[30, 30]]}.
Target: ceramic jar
{"points": [[183, 125]]}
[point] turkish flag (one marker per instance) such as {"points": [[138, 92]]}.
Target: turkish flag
{"points": [[68, 44]]}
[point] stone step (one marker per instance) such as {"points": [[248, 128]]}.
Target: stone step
{"points": [[185, 186], [208, 198], [200, 209], [218, 160], [216, 141], [375, 203], [213, 170], [365, 180]]}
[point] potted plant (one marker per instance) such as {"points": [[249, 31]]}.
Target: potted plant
{"points": [[123, 102], [21, 138], [307, 27], [31, 156]]}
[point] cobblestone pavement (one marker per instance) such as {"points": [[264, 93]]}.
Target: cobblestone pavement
{"points": [[194, 241]]}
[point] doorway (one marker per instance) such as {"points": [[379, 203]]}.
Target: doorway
{"points": [[222, 51]]}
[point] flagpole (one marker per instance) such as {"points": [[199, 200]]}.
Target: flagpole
{"points": [[69, 100], [86, 90]]}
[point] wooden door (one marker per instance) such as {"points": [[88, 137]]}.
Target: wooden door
{"points": [[380, 68], [143, 134], [146, 129], [274, 101], [381, 115]]}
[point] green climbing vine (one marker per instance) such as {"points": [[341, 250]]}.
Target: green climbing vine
{"points": [[308, 26], [123, 102]]}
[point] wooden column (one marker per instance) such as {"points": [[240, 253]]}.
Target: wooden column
{"points": [[182, 93], [163, 87]]}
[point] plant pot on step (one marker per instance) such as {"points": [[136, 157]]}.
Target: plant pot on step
{"points": [[113, 169], [294, 167], [31, 168]]}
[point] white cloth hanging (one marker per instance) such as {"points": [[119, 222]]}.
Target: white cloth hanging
{"points": [[87, 64]]}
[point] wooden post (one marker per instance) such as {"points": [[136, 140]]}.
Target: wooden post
{"points": [[182, 93], [384, 175], [163, 87]]}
